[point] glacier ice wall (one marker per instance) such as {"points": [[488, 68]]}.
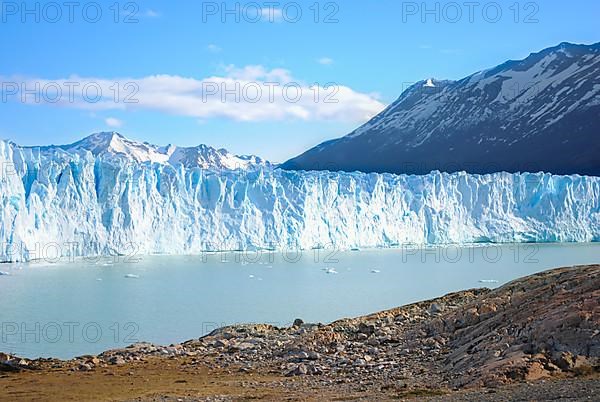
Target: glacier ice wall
{"points": [[83, 205]]}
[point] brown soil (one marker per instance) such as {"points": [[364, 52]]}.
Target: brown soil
{"points": [[537, 338], [161, 380]]}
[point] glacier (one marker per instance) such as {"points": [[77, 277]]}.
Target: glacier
{"points": [[83, 204]]}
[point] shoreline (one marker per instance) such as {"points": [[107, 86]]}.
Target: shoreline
{"points": [[401, 247], [467, 341]]}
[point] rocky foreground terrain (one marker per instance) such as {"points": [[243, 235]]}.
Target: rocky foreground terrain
{"points": [[535, 338]]}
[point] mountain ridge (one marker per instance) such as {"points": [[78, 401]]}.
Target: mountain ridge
{"points": [[114, 145], [510, 117]]}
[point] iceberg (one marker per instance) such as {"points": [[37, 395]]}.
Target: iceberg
{"points": [[77, 204]]}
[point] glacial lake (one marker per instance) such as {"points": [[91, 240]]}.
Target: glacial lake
{"points": [[85, 306]]}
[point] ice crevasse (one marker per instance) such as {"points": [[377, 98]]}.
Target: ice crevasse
{"points": [[87, 205]]}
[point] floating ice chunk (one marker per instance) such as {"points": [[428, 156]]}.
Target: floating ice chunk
{"points": [[330, 271], [132, 276], [4, 273], [375, 271]]}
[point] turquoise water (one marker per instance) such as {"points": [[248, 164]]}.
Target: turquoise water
{"points": [[80, 307]]}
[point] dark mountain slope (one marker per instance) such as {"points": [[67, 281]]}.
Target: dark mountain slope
{"points": [[537, 114]]}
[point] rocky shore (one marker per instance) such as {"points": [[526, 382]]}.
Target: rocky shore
{"points": [[536, 336]]}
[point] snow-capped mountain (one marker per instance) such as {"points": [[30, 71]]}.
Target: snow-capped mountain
{"points": [[537, 114], [112, 145], [81, 204]]}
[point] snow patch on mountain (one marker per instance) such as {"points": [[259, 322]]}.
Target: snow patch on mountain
{"points": [[112, 145]]}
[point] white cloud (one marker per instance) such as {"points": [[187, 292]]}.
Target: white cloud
{"points": [[113, 122], [326, 61], [213, 48], [249, 93], [271, 14], [151, 13]]}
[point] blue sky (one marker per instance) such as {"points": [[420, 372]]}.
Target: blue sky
{"points": [[180, 55]]}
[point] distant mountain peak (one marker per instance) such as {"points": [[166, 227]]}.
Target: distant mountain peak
{"points": [[429, 83], [114, 145], [103, 137]]}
